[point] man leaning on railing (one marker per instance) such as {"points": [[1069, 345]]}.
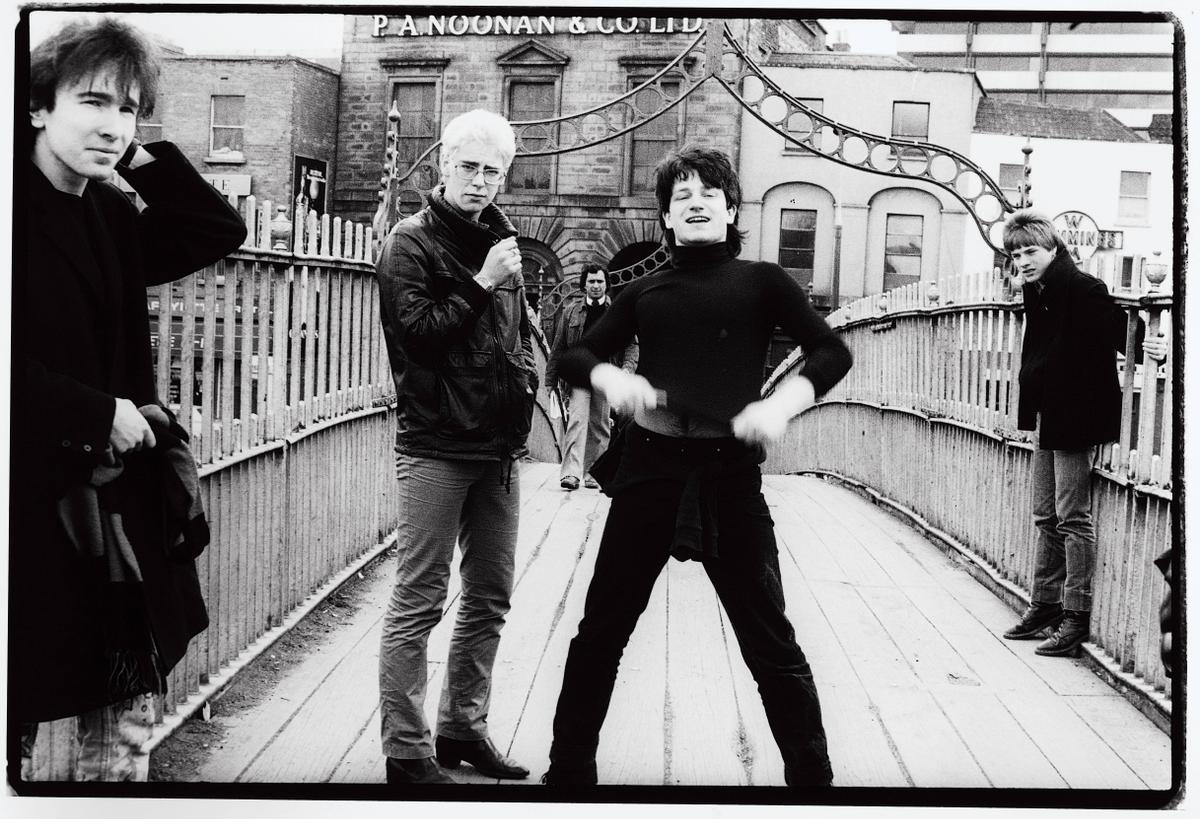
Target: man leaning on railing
{"points": [[1070, 394]]}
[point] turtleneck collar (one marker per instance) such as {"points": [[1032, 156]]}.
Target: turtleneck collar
{"points": [[692, 256]]}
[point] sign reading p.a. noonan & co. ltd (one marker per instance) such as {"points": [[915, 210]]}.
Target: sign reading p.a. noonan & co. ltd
{"points": [[459, 25]]}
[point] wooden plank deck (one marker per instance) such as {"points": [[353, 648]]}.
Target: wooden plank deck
{"points": [[917, 687]]}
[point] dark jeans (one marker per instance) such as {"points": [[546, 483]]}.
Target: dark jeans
{"points": [[1065, 553], [633, 551]]}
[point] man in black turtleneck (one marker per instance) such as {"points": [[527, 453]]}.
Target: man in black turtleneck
{"points": [[588, 415], [688, 483], [452, 305]]}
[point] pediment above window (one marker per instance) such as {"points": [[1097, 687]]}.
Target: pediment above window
{"points": [[533, 54]]}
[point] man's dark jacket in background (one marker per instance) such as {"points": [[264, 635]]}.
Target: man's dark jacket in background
{"points": [[1068, 360]]}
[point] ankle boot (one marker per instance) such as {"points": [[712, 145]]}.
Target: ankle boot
{"points": [[415, 772], [481, 754], [1072, 632], [1036, 619], [571, 765]]}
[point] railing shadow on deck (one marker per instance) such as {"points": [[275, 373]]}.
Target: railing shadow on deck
{"points": [[291, 411], [926, 422]]}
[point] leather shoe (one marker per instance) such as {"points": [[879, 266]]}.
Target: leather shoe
{"points": [[1036, 619], [481, 754], [590, 483], [569, 483], [416, 772], [1072, 632]]}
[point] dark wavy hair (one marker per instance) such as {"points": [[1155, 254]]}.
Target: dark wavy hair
{"points": [[592, 267], [715, 170], [83, 47], [1028, 228]]}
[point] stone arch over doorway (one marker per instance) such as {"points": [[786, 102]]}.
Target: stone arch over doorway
{"points": [[541, 269], [631, 254]]}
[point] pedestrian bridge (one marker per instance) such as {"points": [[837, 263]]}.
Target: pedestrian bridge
{"points": [[902, 514], [917, 687]]}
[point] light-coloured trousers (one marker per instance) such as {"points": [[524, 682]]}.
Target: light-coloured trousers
{"points": [[588, 430], [111, 748], [1065, 553], [473, 503]]}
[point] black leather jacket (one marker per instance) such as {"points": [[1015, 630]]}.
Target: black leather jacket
{"points": [[461, 358]]}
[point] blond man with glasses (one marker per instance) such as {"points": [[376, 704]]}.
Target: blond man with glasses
{"points": [[453, 313]]}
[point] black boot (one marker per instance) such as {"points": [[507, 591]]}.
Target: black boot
{"points": [[415, 772], [1036, 619], [571, 765], [796, 778], [482, 754], [1072, 632]]}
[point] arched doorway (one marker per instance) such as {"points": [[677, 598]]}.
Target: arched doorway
{"points": [[631, 254], [541, 269]]}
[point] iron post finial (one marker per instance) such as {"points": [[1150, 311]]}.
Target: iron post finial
{"points": [[714, 41]]}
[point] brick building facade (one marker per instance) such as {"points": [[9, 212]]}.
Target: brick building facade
{"points": [[593, 204], [244, 121]]}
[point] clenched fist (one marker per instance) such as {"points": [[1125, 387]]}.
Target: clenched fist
{"points": [[502, 263]]}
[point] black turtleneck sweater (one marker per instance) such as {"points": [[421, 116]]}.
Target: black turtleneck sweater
{"points": [[704, 326]]}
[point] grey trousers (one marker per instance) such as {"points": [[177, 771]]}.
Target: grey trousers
{"points": [[588, 430], [473, 503], [1065, 553]]}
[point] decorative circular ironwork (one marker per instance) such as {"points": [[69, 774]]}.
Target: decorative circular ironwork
{"points": [[553, 300], [715, 53]]}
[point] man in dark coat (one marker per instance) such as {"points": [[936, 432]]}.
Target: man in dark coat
{"points": [[101, 606], [589, 420], [453, 309], [1069, 393]]}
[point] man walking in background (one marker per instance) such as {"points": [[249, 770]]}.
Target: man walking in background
{"points": [[588, 415]]}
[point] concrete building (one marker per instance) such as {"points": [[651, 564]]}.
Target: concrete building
{"points": [[845, 231], [1124, 66], [593, 204], [1110, 188], [265, 126]]}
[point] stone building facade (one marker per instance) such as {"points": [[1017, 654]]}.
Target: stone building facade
{"points": [[249, 123], [594, 204]]}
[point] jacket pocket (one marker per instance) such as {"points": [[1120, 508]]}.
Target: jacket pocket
{"points": [[519, 395], [422, 396], [468, 389]]}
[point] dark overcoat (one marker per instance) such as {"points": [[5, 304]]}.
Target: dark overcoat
{"points": [[80, 341], [1073, 330]]}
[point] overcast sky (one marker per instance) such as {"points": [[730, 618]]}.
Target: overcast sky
{"points": [[321, 34]]}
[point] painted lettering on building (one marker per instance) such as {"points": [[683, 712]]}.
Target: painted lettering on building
{"points": [[458, 25]]}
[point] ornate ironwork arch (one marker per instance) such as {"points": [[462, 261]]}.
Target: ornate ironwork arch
{"points": [[715, 53]]}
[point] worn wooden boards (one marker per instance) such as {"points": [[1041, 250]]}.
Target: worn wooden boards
{"points": [[917, 687]]}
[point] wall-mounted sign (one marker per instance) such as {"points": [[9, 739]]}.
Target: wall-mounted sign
{"points": [[1083, 237], [236, 184], [457, 25], [309, 180]]}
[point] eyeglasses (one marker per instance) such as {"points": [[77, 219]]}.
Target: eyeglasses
{"points": [[467, 171]]}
